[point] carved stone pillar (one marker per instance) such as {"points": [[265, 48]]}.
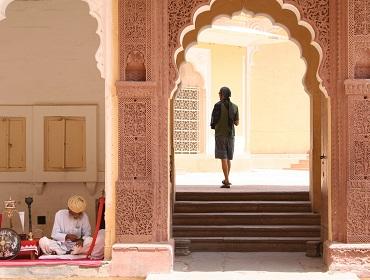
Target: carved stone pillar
{"points": [[142, 206], [352, 255]]}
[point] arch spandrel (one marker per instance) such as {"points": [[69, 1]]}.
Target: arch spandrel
{"points": [[303, 21]]}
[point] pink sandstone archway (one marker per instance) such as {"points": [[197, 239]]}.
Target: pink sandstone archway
{"points": [[301, 32]]}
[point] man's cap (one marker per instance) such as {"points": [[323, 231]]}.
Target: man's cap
{"points": [[225, 92], [77, 204]]}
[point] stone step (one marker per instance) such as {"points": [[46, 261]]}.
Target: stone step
{"points": [[249, 244], [241, 206], [303, 164], [246, 219], [247, 231], [241, 196]]}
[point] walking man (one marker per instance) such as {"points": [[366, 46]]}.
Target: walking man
{"points": [[225, 116]]}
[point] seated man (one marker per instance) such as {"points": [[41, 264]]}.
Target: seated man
{"points": [[71, 232]]}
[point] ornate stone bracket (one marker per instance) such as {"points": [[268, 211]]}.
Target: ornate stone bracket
{"points": [[96, 11]]}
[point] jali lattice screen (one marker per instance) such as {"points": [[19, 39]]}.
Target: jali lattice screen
{"points": [[186, 121]]}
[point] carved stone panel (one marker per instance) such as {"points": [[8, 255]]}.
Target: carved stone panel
{"points": [[359, 137], [359, 39], [141, 191], [358, 187], [358, 212], [134, 212], [135, 138]]}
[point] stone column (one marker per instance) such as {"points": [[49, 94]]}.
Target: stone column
{"points": [[352, 255], [350, 248], [142, 206]]}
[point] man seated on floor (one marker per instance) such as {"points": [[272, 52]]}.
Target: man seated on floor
{"points": [[71, 232]]}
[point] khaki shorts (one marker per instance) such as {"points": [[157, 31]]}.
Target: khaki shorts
{"points": [[224, 148]]}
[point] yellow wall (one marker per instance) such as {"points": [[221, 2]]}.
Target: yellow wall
{"points": [[279, 105], [47, 56], [227, 70]]}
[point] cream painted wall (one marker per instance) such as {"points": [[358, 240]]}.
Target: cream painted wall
{"points": [[227, 70], [47, 56], [278, 122], [280, 107]]}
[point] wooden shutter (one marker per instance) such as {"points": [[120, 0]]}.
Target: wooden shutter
{"points": [[17, 143], [4, 126], [75, 143], [54, 143]]}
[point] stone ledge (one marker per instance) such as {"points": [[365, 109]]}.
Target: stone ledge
{"points": [[138, 260], [358, 86], [348, 257]]}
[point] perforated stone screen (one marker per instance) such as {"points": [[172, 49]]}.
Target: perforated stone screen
{"points": [[186, 121]]}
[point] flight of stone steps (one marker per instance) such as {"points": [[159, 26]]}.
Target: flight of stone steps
{"points": [[245, 221]]}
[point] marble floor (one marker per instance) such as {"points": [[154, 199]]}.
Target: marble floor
{"points": [[272, 177]]}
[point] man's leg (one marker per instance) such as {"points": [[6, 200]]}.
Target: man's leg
{"points": [[98, 251], [225, 170], [49, 247]]}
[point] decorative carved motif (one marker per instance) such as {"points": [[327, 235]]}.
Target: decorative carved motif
{"points": [[359, 137], [358, 212], [316, 12], [135, 216], [135, 33], [361, 87], [180, 14]]}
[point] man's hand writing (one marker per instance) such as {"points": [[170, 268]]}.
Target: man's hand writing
{"points": [[71, 237], [79, 243]]}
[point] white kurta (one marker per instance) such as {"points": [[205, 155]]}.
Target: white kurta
{"points": [[65, 224]]}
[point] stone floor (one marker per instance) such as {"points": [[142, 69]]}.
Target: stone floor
{"points": [[207, 266], [254, 266], [270, 177]]}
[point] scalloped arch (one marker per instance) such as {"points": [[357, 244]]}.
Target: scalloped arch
{"points": [[96, 11], [285, 15]]}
